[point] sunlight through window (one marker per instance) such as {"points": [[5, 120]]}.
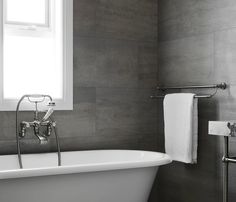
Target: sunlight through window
{"points": [[27, 11], [37, 41], [37, 65]]}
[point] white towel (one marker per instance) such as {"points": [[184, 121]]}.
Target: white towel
{"points": [[181, 126]]}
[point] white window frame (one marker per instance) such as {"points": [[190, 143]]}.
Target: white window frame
{"points": [[25, 24], [66, 103]]}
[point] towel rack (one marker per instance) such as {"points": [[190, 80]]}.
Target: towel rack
{"points": [[221, 86]]}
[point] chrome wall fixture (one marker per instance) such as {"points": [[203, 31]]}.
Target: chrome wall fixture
{"points": [[226, 160], [46, 122], [221, 86], [226, 129]]}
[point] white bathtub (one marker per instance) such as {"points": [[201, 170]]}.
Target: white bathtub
{"points": [[85, 176]]}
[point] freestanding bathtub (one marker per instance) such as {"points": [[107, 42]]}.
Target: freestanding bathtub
{"points": [[85, 176]]}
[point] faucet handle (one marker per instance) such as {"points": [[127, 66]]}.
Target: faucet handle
{"points": [[23, 126]]}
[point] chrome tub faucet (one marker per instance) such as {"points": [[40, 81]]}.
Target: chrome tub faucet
{"points": [[42, 128], [37, 124]]}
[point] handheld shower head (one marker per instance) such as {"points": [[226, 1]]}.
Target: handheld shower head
{"points": [[48, 114]]}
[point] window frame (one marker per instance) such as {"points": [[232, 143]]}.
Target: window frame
{"points": [[66, 103], [25, 24]]}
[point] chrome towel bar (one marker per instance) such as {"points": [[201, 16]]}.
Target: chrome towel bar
{"points": [[196, 96], [221, 86]]}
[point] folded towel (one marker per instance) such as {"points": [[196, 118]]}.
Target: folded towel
{"points": [[181, 126]]}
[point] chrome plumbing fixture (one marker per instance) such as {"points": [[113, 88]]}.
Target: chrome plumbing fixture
{"points": [[221, 86], [227, 129], [36, 124], [46, 122], [232, 128]]}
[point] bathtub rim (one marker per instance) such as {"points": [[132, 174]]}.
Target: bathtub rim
{"points": [[85, 168]]}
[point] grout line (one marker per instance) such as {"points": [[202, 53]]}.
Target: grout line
{"points": [[116, 39], [214, 53], [196, 35]]}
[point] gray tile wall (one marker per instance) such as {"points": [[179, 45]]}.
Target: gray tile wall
{"points": [[115, 72], [197, 45]]}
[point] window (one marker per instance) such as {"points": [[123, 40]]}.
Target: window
{"points": [[36, 51], [27, 12]]}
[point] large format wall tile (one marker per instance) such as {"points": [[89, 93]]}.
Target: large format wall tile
{"points": [[116, 64], [225, 55], [85, 17], [187, 61], [147, 65], [130, 64], [84, 61], [188, 18], [133, 19], [7, 124], [125, 112]]}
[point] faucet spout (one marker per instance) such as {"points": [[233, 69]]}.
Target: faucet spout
{"points": [[42, 139]]}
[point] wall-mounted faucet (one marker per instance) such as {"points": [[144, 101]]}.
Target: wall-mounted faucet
{"points": [[42, 128], [37, 124]]}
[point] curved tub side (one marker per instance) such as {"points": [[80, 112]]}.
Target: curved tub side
{"points": [[94, 179], [127, 185]]}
